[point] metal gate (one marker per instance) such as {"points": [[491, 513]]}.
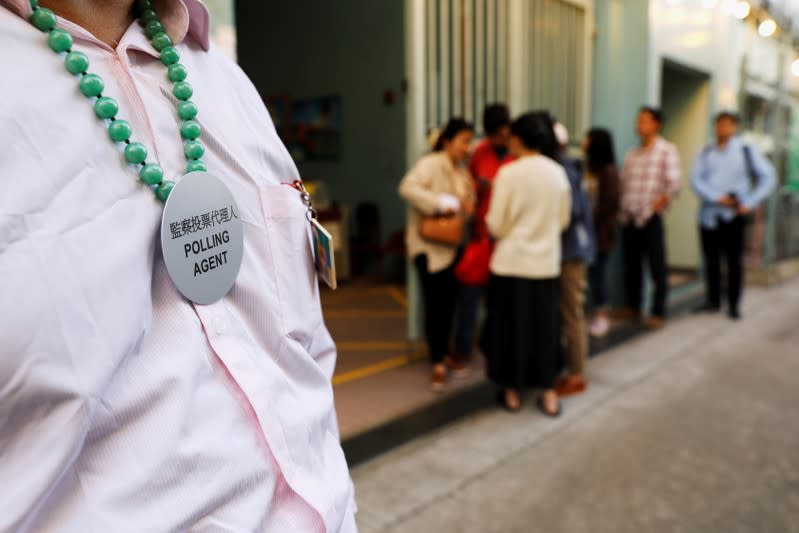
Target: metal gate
{"points": [[486, 51]]}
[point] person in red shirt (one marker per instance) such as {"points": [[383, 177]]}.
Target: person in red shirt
{"points": [[489, 155]]}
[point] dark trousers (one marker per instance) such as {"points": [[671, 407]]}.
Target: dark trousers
{"points": [[466, 322], [648, 243], [727, 240], [597, 275], [440, 293]]}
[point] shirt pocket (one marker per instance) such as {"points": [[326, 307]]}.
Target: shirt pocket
{"points": [[290, 239]]}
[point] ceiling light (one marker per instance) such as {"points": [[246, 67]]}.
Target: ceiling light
{"points": [[742, 9], [795, 67], [767, 28]]}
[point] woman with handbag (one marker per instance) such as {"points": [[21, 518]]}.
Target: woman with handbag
{"points": [[530, 208], [440, 197]]}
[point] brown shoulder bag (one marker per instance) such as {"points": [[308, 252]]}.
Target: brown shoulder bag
{"points": [[442, 229]]}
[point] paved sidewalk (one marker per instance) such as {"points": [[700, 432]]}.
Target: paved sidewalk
{"points": [[692, 429]]}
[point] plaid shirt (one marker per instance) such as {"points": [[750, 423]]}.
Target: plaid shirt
{"points": [[648, 174]]}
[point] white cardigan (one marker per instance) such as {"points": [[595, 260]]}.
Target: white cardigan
{"points": [[530, 208], [433, 175]]}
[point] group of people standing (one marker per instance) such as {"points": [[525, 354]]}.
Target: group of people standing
{"points": [[547, 224]]}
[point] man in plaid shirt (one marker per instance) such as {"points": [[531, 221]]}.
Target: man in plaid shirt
{"points": [[650, 179]]}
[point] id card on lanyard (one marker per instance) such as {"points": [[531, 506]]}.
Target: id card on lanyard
{"points": [[323, 245]]}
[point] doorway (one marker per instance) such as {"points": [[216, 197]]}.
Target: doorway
{"points": [[685, 101]]}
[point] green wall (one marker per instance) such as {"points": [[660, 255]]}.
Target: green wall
{"points": [[353, 48], [620, 85], [621, 67], [686, 105]]}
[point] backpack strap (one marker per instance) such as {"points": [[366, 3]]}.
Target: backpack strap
{"points": [[750, 167]]}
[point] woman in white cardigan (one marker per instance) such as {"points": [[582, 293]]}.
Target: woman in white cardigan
{"points": [[529, 210], [439, 183]]}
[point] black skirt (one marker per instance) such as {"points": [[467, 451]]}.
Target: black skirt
{"points": [[521, 339]]}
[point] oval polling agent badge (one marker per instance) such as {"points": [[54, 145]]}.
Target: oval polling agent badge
{"points": [[202, 238]]}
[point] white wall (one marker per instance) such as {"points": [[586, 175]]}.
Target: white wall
{"points": [[703, 36], [713, 41], [707, 40]]}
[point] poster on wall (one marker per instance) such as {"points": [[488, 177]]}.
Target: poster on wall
{"points": [[316, 129]]}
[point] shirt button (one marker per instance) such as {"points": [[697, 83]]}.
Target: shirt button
{"points": [[220, 326]]}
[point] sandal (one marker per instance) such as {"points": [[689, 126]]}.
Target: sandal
{"points": [[503, 402], [539, 402]]}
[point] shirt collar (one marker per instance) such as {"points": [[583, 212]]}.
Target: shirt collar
{"points": [[181, 18], [732, 145], [655, 145]]}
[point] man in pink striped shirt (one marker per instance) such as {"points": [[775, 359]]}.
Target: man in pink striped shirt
{"points": [[650, 179]]}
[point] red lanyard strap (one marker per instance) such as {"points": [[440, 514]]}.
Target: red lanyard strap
{"points": [[305, 196]]}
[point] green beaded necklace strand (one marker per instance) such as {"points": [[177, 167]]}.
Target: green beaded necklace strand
{"points": [[119, 131]]}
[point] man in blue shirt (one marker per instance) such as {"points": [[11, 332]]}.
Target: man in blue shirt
{"points": [[731, 179]]}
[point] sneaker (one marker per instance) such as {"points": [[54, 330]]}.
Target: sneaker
{"points": [[457, 364], [599, 327], [735, 314], [439, 378], [571, 385]]}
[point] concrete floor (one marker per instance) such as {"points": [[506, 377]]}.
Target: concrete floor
{"points": [[380, 375], [692, 429]]}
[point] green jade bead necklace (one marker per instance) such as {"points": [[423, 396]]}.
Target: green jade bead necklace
{"points": [[106, 108]]}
